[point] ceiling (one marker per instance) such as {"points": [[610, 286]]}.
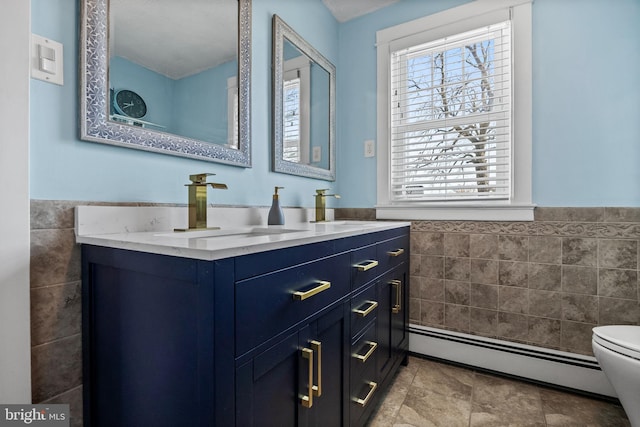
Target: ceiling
{"points": [[344, 10], [181, 38]]}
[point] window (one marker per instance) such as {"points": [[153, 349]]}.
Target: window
{"points": [[295, 109], [454, 115], [291, 120], [233, 137]]}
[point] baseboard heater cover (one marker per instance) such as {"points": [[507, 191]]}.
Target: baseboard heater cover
{"points": [[564, 369]]}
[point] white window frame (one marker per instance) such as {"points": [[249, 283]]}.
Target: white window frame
{"points": [[469, 16]]}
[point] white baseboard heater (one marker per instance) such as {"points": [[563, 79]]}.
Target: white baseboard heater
{"points": [[539, 364]]}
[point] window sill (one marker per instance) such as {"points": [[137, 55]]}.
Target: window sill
{"points": [[457, 212]]}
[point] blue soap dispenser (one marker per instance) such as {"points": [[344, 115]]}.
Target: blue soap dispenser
{"points": [[276, 217]]}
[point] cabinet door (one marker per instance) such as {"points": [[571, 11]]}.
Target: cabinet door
{"points": [[147, 328], [392, 319], [300, 381], [331, 331]]}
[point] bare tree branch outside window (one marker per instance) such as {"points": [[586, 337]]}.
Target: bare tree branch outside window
{"points": [[448, 129]]}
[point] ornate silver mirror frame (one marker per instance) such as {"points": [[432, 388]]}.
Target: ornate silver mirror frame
{"points": [[94, 96], [281, 33]]}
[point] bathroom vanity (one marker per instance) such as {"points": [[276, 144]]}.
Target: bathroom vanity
{"points": [[245, 326]]}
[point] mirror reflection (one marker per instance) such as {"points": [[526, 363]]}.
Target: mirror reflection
{"points": [[173, 67], [304, 99], [167, 76]]}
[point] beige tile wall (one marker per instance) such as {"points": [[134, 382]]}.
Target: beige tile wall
{"points": [[56, 353], [545, 282]]}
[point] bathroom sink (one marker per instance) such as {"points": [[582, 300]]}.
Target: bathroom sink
{"points": [[222, 232]]}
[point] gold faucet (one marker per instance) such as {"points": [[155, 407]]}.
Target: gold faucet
{"points": [[321, 204], [198, 201]]}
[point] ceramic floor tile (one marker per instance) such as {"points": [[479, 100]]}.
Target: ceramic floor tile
{"points": [[428, 393], [394, 398], [430, 408], [565, 409], [500, 401]]}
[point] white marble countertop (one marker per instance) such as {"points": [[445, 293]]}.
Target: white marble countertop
{"points": [[242, 230]]}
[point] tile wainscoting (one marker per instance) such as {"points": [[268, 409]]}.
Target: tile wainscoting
{"points": [[545, 282]]}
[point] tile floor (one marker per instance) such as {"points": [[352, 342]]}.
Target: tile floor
{"points": [[429, 393]]}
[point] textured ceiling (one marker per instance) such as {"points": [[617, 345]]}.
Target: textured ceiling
{"points": [[181, 38]]}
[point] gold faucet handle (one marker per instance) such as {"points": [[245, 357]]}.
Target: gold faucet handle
{"points": [[323, 194], [200, 178]]}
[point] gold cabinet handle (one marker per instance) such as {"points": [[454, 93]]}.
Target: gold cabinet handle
{"points": [[302, 295], [397, 252], [317, 347], [398, 305], [307, 401], [363, 313], [372, 388], [363, 357], [366, 265]]}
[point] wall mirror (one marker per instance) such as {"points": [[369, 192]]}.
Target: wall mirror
{"points": [[167, 76], [303, 106]]}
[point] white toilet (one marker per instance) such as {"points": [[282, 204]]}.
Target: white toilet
{"points": [[617, 349]]}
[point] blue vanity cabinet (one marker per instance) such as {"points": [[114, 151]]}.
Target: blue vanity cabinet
{"points": [[270, 338]]}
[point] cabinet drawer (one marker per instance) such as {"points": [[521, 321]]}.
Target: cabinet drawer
{"points": [[364, 383], [269, 304], [364, 353], [364, 308], [392, 253], [364, 266]]}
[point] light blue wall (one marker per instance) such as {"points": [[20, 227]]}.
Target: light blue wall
{"points": [[201, 104], [586, 117], [64, 168], [586, 109]]}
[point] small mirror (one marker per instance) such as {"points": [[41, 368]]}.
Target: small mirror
{"points": [[303, 106], [170, 77]]}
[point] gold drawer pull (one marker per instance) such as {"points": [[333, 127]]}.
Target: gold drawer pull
{"points": [[398, 305], [302, 295], [367, 265], [372, 388], [363, 313], [317, 347], [397, 252], [307, 401], [363, 357]]}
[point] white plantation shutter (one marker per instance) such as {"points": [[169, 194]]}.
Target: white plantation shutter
{"points": [[450, 122]]}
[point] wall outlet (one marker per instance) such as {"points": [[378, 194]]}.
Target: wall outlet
{"points": [[369, 148]]}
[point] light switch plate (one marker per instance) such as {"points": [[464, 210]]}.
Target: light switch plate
{"points": [[316, 155], [369, 148], [46, 60]]}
